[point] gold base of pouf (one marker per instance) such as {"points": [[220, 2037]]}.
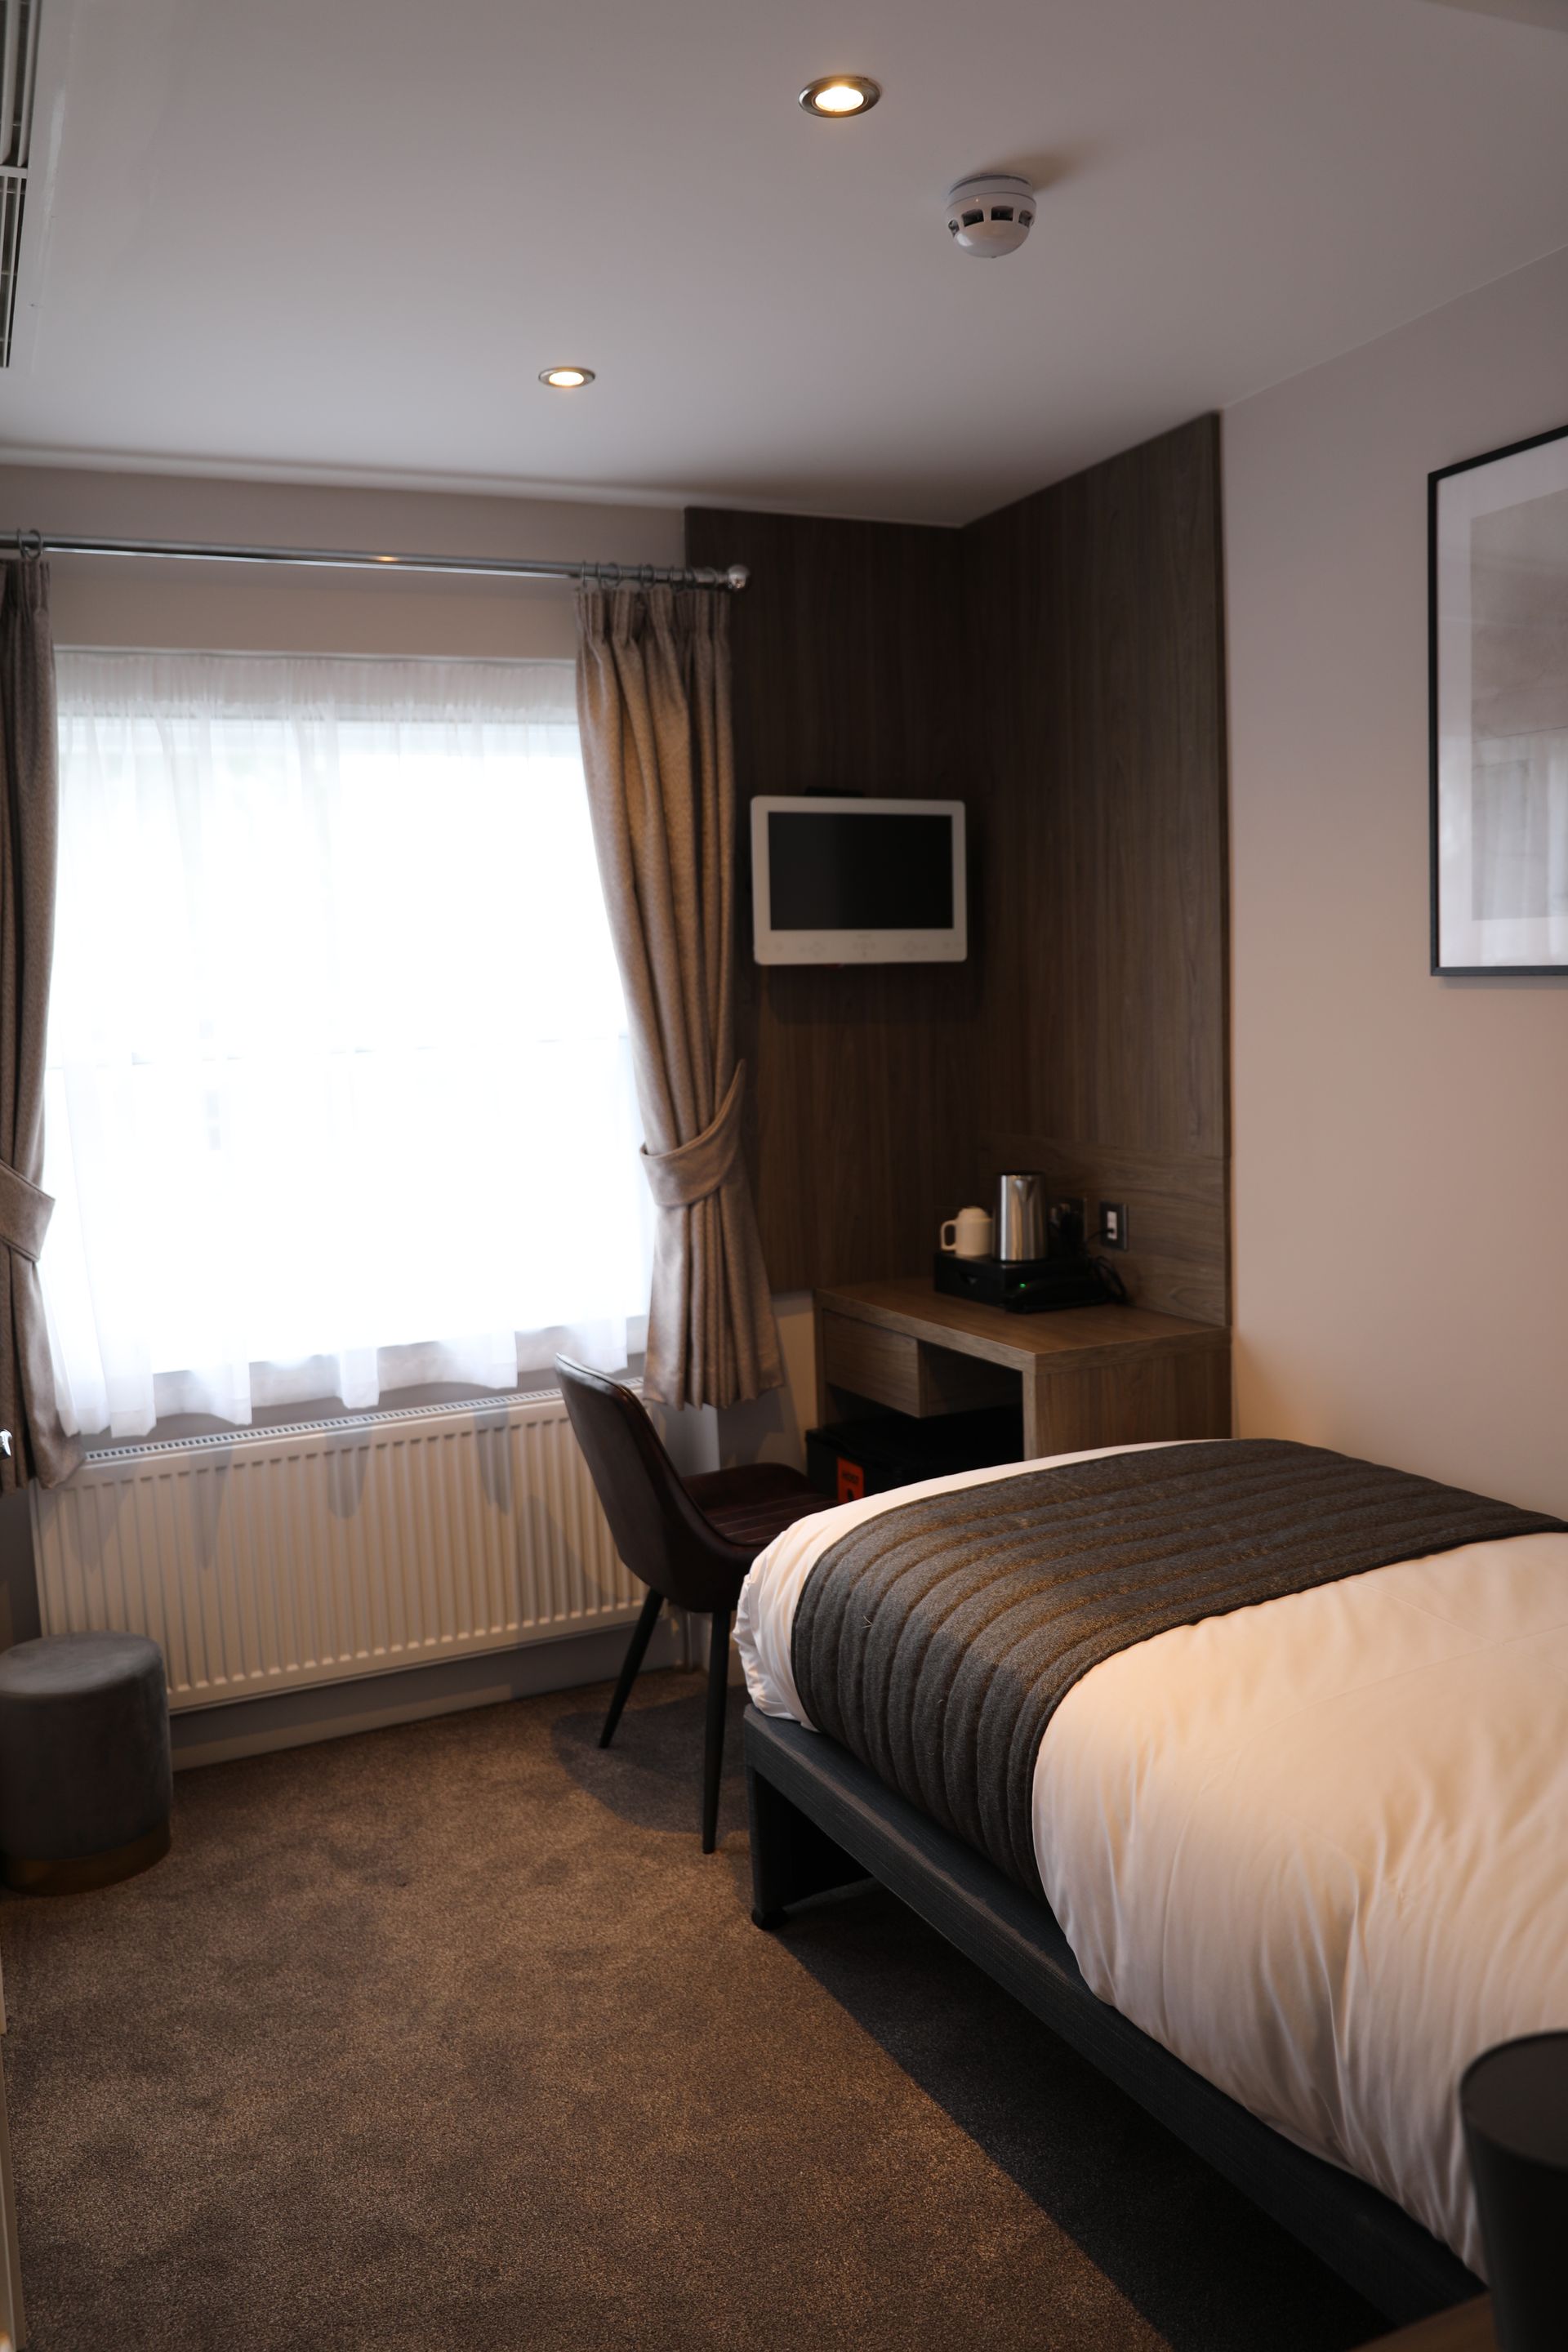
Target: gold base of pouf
{"points": [[83, 1872]]}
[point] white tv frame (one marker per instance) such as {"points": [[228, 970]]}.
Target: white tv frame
{"points": [[950, 946]]}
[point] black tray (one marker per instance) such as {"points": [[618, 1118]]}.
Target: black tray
{"points": [[1026, 1286]]}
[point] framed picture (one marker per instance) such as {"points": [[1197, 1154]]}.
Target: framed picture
{"points": [[1498, 557]]}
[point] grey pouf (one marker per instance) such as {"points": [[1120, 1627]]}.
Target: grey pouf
{"points": [[86, 1783]]}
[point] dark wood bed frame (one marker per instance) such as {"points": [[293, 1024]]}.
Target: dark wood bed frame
{"points": [[820, 1820]]}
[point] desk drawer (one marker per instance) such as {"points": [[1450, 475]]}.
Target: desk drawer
{"points": [[884, 1367], [912, 1376]]}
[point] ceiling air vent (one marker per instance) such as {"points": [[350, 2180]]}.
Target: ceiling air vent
{"points": [[17, 71]]}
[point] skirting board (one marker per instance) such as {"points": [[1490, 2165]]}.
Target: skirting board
{"points": [[820, 1819], [297, 1719]]}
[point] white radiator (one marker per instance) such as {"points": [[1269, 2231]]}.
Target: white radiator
{"points": [[326, 1549]]}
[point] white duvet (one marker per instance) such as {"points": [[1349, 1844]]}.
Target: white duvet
{"points": [[1318, 1848]]}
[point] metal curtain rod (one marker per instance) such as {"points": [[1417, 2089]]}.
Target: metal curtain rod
{"points": [[340, 559]]}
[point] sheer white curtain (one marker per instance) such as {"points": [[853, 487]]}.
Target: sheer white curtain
{"points": [[339, 1094]]}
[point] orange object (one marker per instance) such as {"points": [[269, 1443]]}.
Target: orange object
{"points": [[851, 1481]]}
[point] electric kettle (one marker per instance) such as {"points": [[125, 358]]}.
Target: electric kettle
{"points": [[1022, 1225]]}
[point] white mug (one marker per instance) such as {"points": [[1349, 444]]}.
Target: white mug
{"points": [[971, 1232]]}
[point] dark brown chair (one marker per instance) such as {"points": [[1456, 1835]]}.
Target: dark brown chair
{"points": [[691, 1540]]}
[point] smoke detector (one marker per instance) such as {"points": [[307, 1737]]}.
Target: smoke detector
{"points": [[990, 214]]}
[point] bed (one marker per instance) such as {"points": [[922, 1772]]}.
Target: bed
{"points": [[1293, 1866]]}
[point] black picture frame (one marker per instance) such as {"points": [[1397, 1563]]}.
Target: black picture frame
{"points": [[1442, 623]]}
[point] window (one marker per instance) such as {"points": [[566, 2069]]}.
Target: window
{"points": [[340, 1091]]}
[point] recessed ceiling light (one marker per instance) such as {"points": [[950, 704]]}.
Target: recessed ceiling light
{"points": [[837, 95], [565, 379]]}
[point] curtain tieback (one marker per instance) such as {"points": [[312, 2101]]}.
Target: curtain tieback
{"points": [[680, 1179], [25, 1213]]}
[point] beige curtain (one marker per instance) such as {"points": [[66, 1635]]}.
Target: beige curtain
{"points": [[653, 695], [29, 801]]}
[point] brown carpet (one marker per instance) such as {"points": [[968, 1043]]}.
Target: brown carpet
{"points": [[448, 2036]]}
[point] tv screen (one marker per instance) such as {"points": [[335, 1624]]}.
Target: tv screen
{"points": [[846, 871], [857, 881]]}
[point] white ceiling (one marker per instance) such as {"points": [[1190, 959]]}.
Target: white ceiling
{"points": [[339, 237]]}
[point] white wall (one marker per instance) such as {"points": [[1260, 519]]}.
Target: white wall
{"points": [[117, 601], [1401, 1172], [773, 1428]]}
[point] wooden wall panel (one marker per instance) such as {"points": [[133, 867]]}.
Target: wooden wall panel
{"points": [[1176, 1213], [862, 1116], [1059, 666], [1100, 694]]}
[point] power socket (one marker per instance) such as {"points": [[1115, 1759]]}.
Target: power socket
{"points": [[1068, 1218], [1113, 1224]]}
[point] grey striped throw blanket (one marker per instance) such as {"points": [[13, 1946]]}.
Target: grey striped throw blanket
{"points": [[937, 1641]]}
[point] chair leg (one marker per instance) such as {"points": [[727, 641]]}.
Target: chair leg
{"points": [[636, 1649], [713, 1751]]}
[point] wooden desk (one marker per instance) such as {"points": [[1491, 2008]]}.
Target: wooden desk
{"points": [[1088, 1376], [1467, 2328]]}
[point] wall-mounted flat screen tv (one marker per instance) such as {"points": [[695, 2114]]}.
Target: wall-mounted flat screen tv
{"points": [[857, 881]]}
